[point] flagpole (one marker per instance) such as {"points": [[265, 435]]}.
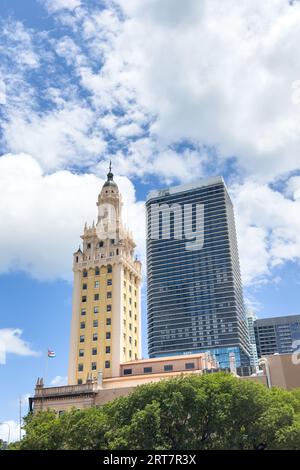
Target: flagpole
{"points": [[46, 369]]}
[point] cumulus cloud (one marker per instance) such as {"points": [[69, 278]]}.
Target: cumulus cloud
{"points": [[57, 5], [57, 139], [43, 215], [152, 86], [268, 227], [196, 71], [11, 342], [59, 381]]}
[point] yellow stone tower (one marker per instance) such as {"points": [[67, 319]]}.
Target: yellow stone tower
{"points": [[106, 323]]}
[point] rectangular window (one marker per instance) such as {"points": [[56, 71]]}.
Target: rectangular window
{"points": [[83, 312], [96, 297], [108, 321], [82, 325], [96, 309], [81, 339], [80, 367], [84, 286], [84, 274], [97, 271], [107, 364], [94, 365], [147, 370], [88, 246], [97, 284], [94, 352], [127, 371], [83, 298], [108, 308], [95, 336], [109, 269], [107, 349], [81, 352], [130, 353], [130, 339], [95, 324], [190, 365], [168, 367], [79, 382], [108, 335], [130, 313], [109, 295], [109, 282]]}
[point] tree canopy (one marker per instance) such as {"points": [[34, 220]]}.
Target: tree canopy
{"points": [[214, 411]]}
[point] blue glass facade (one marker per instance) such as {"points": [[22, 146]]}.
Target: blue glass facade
{"points": [[277, 334], [195, 298]]}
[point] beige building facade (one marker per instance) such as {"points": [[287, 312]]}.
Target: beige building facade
{"points": [[279, 370], [105, 329], [97, 391]]}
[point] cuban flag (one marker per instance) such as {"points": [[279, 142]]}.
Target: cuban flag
{"points": [[51, 353]]}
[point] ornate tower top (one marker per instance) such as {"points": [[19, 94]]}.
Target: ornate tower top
{"points": [[110, 179]]}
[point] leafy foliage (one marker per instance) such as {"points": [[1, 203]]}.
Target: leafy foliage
{"points": [[216, 411]]}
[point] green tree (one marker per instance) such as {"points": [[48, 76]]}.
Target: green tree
{"points": [[213, 411]]}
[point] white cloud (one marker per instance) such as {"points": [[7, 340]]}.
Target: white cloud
{"points": [[43, 215], [59, 381], [2, 91], [57, 5], [10, 429], [11, 342], [198, 77], [56, 139], [156, 77], [268, 229]]}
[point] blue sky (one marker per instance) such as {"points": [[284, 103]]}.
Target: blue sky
{"points": [[171, 92]]}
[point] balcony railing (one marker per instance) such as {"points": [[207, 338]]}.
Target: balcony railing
{"points": [[65, 390]]}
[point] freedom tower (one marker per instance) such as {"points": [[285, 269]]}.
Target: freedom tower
{"points": [[195, 297]]}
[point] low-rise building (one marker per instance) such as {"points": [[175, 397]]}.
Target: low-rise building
{"points": [[97, 391]]}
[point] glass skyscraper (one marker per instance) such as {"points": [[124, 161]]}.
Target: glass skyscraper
{"points": [[277, 334], [195, 298]]}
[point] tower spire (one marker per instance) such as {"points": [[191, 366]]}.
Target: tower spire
{"points": [[110, 177]]}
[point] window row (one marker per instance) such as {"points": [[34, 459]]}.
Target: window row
{"points": [[95, 337], [97, 284], [94, 351], [93, 366], [96, 297], [95, 323], [95, 310], [97, 271], [167, 368]]}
